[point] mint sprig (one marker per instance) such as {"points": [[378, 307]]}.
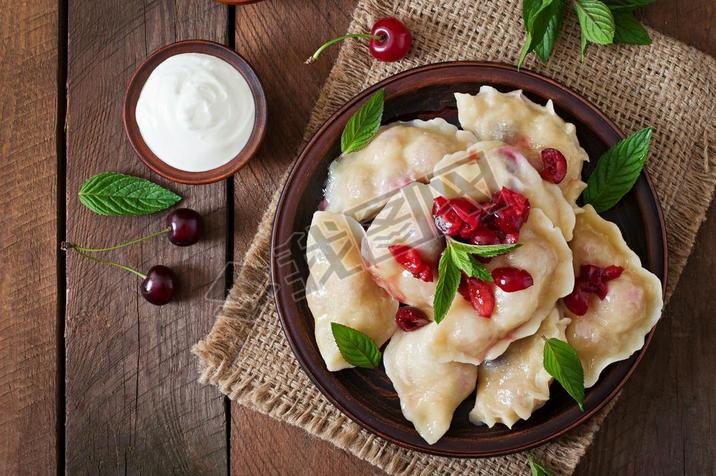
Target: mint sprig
{"points": [[601, 22], [536, 468], [364, 124], [357, 348], [617, 171], [562, 362], [460, 257], [116, 194]]}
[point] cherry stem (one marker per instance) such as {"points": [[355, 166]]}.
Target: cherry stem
{"points": [[66, 246], [328, 43], [82, 249]]}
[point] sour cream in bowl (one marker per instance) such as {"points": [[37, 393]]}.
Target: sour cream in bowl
{"points": [[195, 112]]}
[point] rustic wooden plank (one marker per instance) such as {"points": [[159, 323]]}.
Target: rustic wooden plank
{"points": [[664, 422], [273, 36], [28, 236], [133, 400]]}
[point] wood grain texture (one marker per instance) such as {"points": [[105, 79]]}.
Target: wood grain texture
{"points": [[276, 36], [133, 403], [675, 421], [28, 236]]}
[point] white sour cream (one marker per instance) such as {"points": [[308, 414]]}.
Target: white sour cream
{"points": [[195, 112]]}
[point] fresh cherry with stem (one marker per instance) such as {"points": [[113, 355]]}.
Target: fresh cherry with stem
{"points": [[158, 285], [390, 40]]}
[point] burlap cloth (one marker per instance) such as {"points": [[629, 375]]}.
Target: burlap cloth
{"points": [[667, 85]]}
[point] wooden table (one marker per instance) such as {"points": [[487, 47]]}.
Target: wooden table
{"points": [[95, 380]]}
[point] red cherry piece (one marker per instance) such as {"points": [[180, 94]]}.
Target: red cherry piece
{"points": [[612, 272], [186, 226], [159, 285], [577, 302], [511, 210], [512, 279], [484, 236], [480, 295], [393, 40], [410, 318], [554, 165], [411, 259], [446, 220]]}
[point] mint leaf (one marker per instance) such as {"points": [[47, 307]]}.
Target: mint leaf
{"points": [[536, 468], [446, 287], [536, 16], [543, 48], [470, 266], [484, 251], [617, 171], [629, 30], [562, 363], [115, 194], [595, 21], [364, 124], [357, 348], [628, 5]]}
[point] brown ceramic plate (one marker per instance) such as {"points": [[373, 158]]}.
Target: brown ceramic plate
{"points": [[134, 88], [367, 396]]}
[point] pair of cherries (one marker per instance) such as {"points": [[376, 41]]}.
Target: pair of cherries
{"points": [[184, 228]]}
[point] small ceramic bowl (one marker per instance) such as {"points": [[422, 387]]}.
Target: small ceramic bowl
{"points": [[134, 88]]}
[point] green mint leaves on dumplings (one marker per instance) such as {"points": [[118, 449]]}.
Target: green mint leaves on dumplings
{"points": [[356, 347], [459, 258], [601, 22], [617, 171], [562, 362], [116, 194], [364, 124]]}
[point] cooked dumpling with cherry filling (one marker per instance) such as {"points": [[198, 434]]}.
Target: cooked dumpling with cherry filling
{"points": [[615, 303], [465, 336], [359, 183], [404, 231], [514, 119], [340, 290], [516, 384], [429, 391], [486, 167]]}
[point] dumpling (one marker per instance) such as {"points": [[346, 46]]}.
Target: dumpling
{"points": [[340, 290], [361, 182], [429, 391], [485, 167], [405, 220], [464, 336], [514, 119], [613, 328], [515, 384]]}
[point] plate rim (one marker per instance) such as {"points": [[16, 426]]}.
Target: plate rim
{"points": [[274, 266]]}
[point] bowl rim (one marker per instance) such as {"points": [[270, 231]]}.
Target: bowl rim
{"points": [[134, 89], [278, 232]]}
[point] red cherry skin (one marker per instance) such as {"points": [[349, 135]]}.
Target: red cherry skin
{"points": [[410, 318], [393, 42], [185, 226], [554, 165], [411, 260], [511, 279], [159, 286], [479, 294], [577, 302]]}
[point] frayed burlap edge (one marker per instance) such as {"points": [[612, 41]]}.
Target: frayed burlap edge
{"points": [[250, 298]]}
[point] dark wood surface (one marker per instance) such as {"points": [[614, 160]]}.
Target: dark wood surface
{"points": [[105, 383]]}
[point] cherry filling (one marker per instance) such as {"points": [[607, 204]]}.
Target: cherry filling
{"points": [[554, 165], [511, 279], [411, 259], [497, 221], [592, 279], [479, 294], [410, 318]]}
